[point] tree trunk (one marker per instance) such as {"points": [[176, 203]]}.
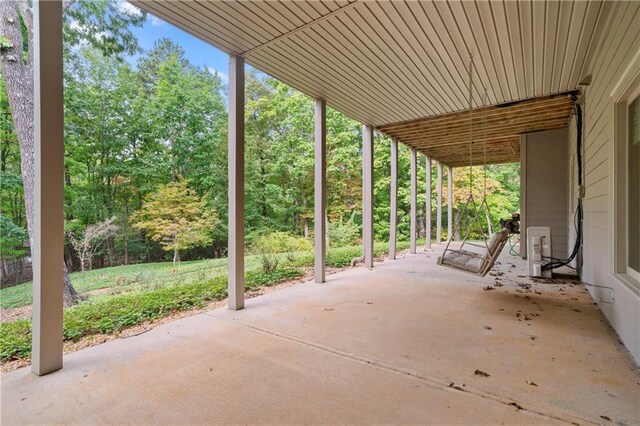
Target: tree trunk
{"points": [[110, 250], [176, 257], [18, 80], [306, 219], [126, 250]]}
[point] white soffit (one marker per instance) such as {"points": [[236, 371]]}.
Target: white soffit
{"points": [[384, 62]]}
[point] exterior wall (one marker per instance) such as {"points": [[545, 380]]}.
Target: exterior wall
{"points": [[545, 189], [619, 301]]}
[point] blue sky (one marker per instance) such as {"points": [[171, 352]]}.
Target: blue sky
{"points": [[198, 52]]}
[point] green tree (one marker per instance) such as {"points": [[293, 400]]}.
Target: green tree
{"points": [[12, 239], [177, 217], [99, 23]]}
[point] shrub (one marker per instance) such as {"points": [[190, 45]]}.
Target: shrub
{"points": [[120, 312], [15, 339], [343, 233], [270, 248], [124, 311], [255, 279]]}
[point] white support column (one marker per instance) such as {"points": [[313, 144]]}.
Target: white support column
{"points": [[236, 183], [428, 207], [320, 190], [48, 226], [393, 216], [439, 206], [449, 202], [367, 195], [414, 201]]}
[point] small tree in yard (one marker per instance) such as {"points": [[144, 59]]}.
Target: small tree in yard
{"points": [[177, 217], [91, 239]]}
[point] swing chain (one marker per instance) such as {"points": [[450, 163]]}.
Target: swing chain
{"points": [[471, 124]]}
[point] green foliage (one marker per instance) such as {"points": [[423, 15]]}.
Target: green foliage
{"points": [[120, 312], [5, 43], [343, 233], [124, 311], [272, 246], [501, 186], [255, 279], [176, 217], [104, 25], [15, 339], [12, 239]]}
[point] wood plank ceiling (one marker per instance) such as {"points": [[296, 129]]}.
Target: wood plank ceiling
{"points": [[383, 62]]}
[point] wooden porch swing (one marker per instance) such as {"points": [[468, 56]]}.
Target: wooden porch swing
{"points": [[465, 260]]}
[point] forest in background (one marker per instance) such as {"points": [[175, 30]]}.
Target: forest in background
{"points": [[135, 128]]}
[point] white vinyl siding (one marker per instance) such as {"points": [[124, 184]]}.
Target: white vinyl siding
{"points": [[618, 47], [546, 188], [633, 194]]}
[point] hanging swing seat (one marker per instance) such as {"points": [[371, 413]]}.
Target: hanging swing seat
{"points": [[473, 262], [464, 260]]}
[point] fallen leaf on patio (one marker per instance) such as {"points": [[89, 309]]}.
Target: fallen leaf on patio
{"points": [[487, 288], [606, 418], [532, 337], [530, 383], [526, 318], [486, 327], [515, 404], [481, 373], [454, 386]]}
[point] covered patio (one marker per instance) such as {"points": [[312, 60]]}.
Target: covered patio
{"points": [[400, 341], [354, 351]]}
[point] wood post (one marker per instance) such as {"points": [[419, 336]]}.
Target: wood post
{"points": [[48, 238], [414, 201], [320, 190], [427, 226], [439, 206], [393, 216], [236, 183], [367, 195], [449, 202]]}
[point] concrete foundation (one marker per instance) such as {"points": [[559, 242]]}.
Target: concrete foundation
{"points": [[398, 344]]}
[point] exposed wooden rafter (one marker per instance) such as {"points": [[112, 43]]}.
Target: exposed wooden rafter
{"points": [[446, 137]]}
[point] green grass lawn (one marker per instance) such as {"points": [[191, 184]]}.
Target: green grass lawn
{"points": [[107, 282]]}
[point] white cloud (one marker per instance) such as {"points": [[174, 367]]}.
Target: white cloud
{"points": [[127, 7], [157, 22], [223, 76]]}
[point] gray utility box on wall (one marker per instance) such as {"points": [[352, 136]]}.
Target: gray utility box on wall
{"points": [[538, 250]]}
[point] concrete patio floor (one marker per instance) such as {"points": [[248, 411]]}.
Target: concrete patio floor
{"points": [[397, 344]]}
